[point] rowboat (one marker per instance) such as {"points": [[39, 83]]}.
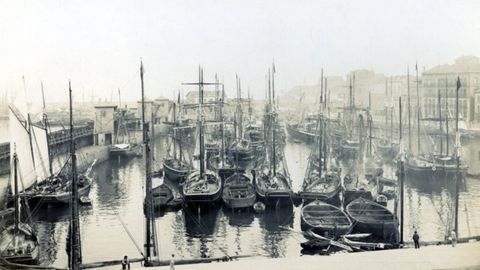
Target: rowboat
{"points": [[325, 219]]}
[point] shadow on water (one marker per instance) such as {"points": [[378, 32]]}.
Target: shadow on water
{"points": [[433, 184], [271, 223], [200, 224], [201, 227], [239, 217]]}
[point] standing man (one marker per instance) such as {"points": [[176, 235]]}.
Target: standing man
{"points": [[125, 263], [172, 262], [453, 237], [416, 239]]}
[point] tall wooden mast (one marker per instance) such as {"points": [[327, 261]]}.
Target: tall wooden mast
{"points": [[150, 248], [45, 123], [273, 124], [409, 112], [440, 121], [418, 111], [74, 241], [447, 115], [402, 173], [457, 154]]}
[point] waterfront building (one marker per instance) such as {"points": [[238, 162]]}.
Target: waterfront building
{"points": [[443, 78], [104, 125]]}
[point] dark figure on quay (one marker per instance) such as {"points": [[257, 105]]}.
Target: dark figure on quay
{"points": [[416, 239]]}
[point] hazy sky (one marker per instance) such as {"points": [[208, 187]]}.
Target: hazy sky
{"points": [[98, 44]]}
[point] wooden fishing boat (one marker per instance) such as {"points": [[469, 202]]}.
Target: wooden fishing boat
{"points": [[18, 242], [371, 217], [349, 149], [162, 194], [325, 219], [176, 170], [354, 188], [326, 188], [55, 191], [386, 150], [238, 191], [19, 245], [272, 188], [41, 183], [223, 166], [202, 186], [305, 134], [433, 166], [202, 189], [241, 152]]}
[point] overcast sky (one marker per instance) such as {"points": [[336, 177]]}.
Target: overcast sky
{"points": [[98, 44]]}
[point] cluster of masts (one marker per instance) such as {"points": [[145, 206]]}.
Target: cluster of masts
{"points": [[246, 168]]}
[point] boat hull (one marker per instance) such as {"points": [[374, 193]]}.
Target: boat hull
{"points": [[19, 254], [58, 198], [323, 218], [197, 193], [299, 135], [174, 174], [332, 198], [238, 192], [428, 172], [373, 218]]}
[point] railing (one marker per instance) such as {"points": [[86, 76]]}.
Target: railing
{"points": [[62, 136], [55, 138]]}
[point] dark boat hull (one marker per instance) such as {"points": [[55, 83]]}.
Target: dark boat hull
{"points": [[332, 198], [61, 198], [174, 174], [373, 218], [273, 198], [238, 192], [194, 195], [433, 172], [299, 135], [351, 195]]}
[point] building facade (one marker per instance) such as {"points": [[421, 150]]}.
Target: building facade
{"points": [[440, 82], [104, 125]]}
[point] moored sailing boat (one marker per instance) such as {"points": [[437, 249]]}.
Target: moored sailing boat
{"points": [[176, 168], [41, 182], [241, 152], [18, 242], [439, 165], [238, 191], [272, 182], [222, 163], [322, 179], [201, 186]]}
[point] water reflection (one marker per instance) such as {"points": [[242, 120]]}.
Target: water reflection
{"points": [[118, 194], [239, 218], [273, 225]]}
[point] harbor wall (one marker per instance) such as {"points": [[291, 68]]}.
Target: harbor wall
{"points": [[85, 157]]}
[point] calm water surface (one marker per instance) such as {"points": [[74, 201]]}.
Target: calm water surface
{"points": [[117, 194]]}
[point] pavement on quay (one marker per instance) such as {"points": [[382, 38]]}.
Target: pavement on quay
{"points": [[463, 256]]}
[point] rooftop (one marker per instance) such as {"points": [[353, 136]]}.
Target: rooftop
{"points": [[464, 64]]}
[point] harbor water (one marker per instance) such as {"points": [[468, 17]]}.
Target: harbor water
{"points": [[117, 197]]}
